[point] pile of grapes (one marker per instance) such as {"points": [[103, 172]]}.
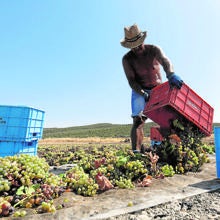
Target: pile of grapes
{"points": [[183, 148], [26, 181]]}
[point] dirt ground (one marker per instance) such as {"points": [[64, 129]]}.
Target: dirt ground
{"points": [[120, 201], [97, 140]]}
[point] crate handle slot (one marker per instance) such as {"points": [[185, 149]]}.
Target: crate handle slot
{"points": [[156, 103]]}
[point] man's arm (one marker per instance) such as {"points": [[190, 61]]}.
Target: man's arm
{"points": [[164, 61], [174, 80], [130, 74]]}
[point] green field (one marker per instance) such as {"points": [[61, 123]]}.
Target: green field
{"points": [[96, 130]]}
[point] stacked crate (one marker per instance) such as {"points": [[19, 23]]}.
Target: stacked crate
{"points": [[20, 129]]}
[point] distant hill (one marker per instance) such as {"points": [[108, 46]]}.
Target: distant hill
{"points": [[96, 130]]}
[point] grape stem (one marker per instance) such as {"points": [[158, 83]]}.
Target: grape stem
{"points": [[28, 197]]}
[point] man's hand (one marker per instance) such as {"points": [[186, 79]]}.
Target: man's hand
{"points": [[146, 95], [175, 81]]}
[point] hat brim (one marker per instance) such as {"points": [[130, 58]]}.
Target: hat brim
{"points": [[134, 44]]}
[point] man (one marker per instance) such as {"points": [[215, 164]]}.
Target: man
{"points": [[142, 68]]}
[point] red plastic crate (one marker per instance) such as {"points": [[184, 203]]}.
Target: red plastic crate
{"points": [[155, 134], [166, 105]]}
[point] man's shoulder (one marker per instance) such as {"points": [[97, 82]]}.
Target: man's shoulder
{"points": [[128, 55], [151, 46]]}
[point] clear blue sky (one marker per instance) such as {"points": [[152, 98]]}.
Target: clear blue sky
{"points": [[64, 57]]}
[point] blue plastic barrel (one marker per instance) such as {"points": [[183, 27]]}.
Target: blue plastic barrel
{"points": [[217, 149]]}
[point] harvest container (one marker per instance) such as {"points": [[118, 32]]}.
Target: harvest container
{"points": [[155, 134], [11, 148], [217, 150], [20, 123], [166, 104]]}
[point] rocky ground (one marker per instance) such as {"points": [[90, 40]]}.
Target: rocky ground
{"points": [[202, 207]]}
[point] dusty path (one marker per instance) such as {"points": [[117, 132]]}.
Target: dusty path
{"points": [[203, 206]]}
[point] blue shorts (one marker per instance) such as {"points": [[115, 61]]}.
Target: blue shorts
{"points": [[137, 103]]}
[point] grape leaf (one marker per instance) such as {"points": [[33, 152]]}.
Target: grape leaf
{"points": [[25, 190]]}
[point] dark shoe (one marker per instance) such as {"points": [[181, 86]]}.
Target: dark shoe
{"points": [[136, 152]]}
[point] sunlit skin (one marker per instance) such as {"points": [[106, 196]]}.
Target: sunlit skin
{"points": [[140, 130], [139, 49]]}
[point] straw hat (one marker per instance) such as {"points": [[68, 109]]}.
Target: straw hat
{"points": [[133, 37]]}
